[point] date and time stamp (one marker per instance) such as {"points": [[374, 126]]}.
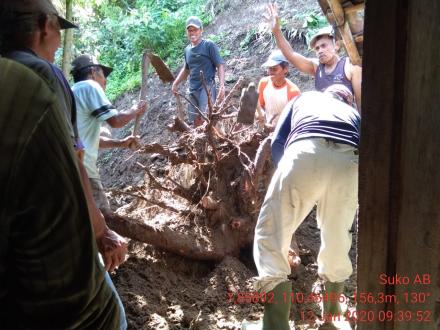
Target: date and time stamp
{"points": [[411, 303]]}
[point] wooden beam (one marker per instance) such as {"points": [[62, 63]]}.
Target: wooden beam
{"points": [[399, 181], [419, 215], [338, 12], [377, 204], [350, 46], [344, 30]]}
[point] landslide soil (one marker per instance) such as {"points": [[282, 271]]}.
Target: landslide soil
{"points": [[164, 291]]}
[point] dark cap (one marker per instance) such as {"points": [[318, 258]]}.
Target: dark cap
{"points": [[194, 21], [275, 58], [325, 31], [85, 61], [22, 8]]}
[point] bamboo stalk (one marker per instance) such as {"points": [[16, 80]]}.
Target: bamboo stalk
{"points": [[345, 31], [350, 46], [338, 12], [143, 93]]}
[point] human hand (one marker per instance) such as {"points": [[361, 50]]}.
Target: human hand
{"points": [[220, 95], [260, 119], [140, 107], [272, 17], [113, 249], [175, 88], [80, 154], [131, 141]]}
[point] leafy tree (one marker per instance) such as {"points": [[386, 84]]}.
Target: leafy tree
{"points": [[117, 32]]}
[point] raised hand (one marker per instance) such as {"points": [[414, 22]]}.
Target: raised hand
{"points": [[271, 16]]}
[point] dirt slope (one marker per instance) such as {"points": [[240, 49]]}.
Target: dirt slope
{"points": [[164, 291]]}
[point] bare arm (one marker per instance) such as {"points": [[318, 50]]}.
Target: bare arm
{"points": [[112, 247], [302, 63], [183, 74], [356, 82], [221, 79], [106, 142], [123, 117]]}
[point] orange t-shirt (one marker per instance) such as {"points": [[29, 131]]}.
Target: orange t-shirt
{"points": [[273, 99]]}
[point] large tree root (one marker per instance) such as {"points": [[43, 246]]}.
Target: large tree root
{"points": [[229, 165], [214, 246]]}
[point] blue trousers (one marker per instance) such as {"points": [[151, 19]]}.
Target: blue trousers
{"points": [[200, 99], [123, 320]]}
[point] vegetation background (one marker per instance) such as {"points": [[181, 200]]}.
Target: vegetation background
{"points": [[117, 32]]}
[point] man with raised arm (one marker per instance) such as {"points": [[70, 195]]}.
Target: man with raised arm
{"points": [[328, 68]]}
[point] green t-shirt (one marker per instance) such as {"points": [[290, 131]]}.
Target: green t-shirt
{"points": [[50, 275]]}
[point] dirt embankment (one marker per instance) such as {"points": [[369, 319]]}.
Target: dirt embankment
{"points": [[164, 291]]}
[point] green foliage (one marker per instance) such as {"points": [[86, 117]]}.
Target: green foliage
{"points": [[118, 31], [219, 39], [249, 38], [313, 22], [224, 52]]}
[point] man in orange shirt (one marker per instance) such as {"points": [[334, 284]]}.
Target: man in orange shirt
{"points": [[275, 90]]}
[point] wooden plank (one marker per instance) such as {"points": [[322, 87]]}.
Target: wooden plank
{"points": [[338, 16], [418, 247], [350, 45], [376, 163], [338, 12], [399, 217]]}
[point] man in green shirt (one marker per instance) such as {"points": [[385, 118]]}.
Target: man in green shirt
{"points": [[31, 33], [50, 275]]}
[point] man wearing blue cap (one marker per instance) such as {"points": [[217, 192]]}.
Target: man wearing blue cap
{"points": [[275, 90], [201, 55]]}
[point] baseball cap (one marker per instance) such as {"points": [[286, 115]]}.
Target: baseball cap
{"points": [[342, 92], [85, 61], [194, 21], [20, 9], [275, 58], [325, 31]]}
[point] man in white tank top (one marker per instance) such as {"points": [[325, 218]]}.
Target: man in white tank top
{"points": [[275, 90]]}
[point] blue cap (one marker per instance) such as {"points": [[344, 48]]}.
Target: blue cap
{"points": [[275, 58]]}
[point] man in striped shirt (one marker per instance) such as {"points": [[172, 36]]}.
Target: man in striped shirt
{"points": [[315, 145]]}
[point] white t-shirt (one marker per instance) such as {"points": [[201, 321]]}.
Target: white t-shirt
{"points": [[273, 99], [93, 107]]}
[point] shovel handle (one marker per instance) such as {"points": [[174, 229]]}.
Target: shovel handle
{"points": [[143, 93], [179, 108]]}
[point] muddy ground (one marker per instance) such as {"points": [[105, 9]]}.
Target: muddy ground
{"points": [[161, 290]]}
